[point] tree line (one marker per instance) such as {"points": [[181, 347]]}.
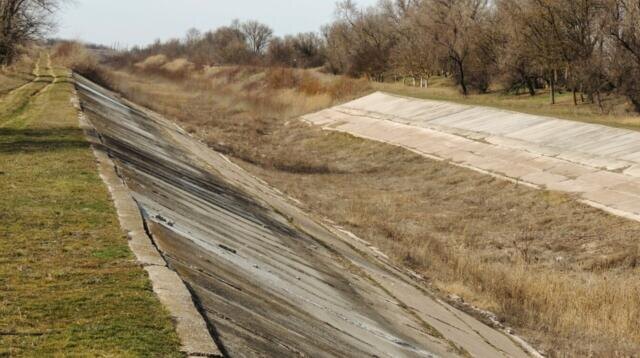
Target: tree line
{"points": [[240, 43], [588, 47]]}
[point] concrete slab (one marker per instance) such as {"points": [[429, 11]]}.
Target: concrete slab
{"points": [[611, 198], [570, 170], [574, 186], [630, 187], [605, 179], [544, 179], [595, 144]]}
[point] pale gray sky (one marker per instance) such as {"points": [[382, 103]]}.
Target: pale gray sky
{"points": [[139, 22]]}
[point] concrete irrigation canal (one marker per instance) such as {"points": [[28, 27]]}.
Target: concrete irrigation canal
{"points": [[599, 164], [268, 279]]}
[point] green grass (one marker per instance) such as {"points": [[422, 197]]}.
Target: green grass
{"points": [[443, 89], [68, 283]]}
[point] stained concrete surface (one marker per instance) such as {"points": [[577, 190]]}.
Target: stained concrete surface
{"points": [[269, 279], [600, 164], [195, 339]]}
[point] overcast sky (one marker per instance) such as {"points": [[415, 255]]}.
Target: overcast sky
{"points": [[139, 22]]}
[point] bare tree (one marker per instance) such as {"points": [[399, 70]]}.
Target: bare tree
{"points": [[22, 21], [542, 32], [337, 37], [281, 52], [454, 25], [309, 50], [193, 36], [257, 35], [624, 29], [366, 37], [415, 54], [229, 45], [303, 50], [518, 66]]}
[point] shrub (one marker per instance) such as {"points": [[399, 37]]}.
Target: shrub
{"points": [[76, 57], [287, 78], [210, 71], [280, 78], [309, 84], [178, 68], [152, 63], [345, 88]]}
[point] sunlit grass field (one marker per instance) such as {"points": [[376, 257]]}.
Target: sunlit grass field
{"points": [[69, 286]]}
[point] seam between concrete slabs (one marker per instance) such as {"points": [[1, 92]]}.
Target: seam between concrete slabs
{"points": [[172, 292]]}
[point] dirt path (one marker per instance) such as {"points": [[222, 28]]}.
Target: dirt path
{"points": [[16, 101], [49, 78], [269, 279], [600, 164]]}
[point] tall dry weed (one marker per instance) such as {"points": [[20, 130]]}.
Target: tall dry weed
{"points": [[152, 63], [77, 57], [179, 68]]}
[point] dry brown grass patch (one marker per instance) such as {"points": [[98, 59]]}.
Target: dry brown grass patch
{"points": [[152, 63], [178, 68]]}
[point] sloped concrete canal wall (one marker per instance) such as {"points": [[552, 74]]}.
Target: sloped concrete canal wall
{"points": [[269, 279]]}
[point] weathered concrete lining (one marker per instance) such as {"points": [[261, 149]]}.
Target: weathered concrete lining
{"points": [[170, 289], [599, 164], [270, 279]]}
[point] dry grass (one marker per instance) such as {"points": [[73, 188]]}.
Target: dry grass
{"points": [[563, 273], [75, 56], [152, 62], [180, 67], [16, 75]]}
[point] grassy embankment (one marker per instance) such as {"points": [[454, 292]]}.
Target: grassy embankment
{"points": [[69, 286], [564, 274]]}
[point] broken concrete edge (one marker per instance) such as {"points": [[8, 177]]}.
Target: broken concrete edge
{"points": [[190, 325]]}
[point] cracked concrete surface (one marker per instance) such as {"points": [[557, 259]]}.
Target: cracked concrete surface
{"points": [[600, 164], [269, 279]]}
